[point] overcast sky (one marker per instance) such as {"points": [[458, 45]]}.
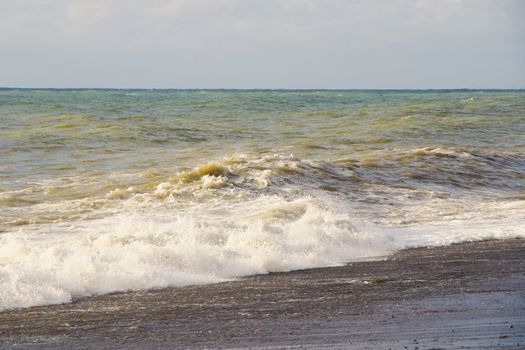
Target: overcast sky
{"points": [[263, 43]]}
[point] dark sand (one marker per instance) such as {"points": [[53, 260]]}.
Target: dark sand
{"points": [[463, 296]]}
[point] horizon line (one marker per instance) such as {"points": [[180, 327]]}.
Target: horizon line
{"points": [[262, 89]]}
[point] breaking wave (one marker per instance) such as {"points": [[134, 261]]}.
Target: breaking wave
{"points": [[243, 215]]}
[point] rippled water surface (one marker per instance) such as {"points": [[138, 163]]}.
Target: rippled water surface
{"points": [[112, 190]]}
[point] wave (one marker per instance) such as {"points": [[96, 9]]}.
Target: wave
{"points": [[159, 248], [376, 178], [73, 237]]}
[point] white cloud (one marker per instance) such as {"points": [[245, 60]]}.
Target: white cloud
{"points": [[87, 12], [281, 43], [82, 15]]}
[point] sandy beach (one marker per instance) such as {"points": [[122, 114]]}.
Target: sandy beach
{"points": [[468, 296]]}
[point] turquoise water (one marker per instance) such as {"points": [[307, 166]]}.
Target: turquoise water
{"points": [[154, 188]]}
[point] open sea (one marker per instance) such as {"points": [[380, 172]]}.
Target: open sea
{"points": [[116, 190]]}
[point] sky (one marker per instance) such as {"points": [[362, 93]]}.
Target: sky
{"points": [[330, 44]]}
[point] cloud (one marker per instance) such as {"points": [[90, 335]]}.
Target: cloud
{"points": [[263, 43], [87, 12]]}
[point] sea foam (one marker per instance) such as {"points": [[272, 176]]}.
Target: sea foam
{"points": [[57, 263]]}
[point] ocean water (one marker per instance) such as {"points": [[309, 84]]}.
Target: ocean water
{"points": [[117, 190]]}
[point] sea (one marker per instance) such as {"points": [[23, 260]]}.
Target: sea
{"points": [[108, 190]]}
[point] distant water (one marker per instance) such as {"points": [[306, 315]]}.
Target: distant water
{"points": [[115, 190]]}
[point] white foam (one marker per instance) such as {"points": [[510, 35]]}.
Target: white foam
{"points": [[152, 250], [205, 243], [448, 151]]}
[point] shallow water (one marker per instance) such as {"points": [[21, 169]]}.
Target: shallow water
{"points": [[112, 190]]}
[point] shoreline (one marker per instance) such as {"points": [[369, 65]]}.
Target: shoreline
{"points": [[467, 295]]}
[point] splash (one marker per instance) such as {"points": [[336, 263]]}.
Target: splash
{"points": [[212, 241]]}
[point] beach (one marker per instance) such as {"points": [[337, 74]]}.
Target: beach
{"points": [[468, 296]]}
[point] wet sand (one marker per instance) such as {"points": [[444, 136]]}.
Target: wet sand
{"points": [[469, 295]]}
